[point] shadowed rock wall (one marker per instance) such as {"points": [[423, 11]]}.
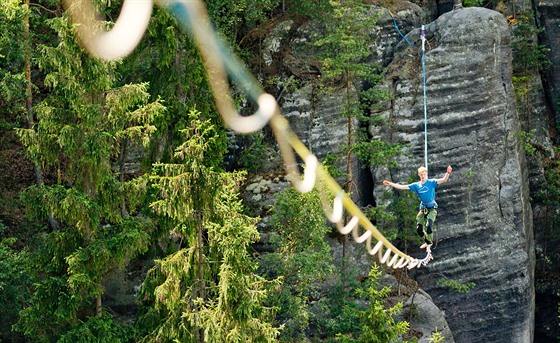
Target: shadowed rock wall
{"points": [[548, 19]]}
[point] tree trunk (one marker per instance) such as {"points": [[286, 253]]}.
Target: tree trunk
{"points": [[39, 178], [202, 291], [122, 158], [349, 181], [201, 288], [29, 93], [98, 306]]}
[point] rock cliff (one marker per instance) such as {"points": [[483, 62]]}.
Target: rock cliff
{"points": [[485, 233], [485, 221]]}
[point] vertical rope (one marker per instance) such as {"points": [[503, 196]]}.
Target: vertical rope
{"points": [[423, 37]]}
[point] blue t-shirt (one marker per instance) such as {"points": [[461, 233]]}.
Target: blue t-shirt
{"points": [[426, 192]]}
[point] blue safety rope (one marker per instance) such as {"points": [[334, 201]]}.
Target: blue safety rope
{"points": [[399, 31], [423, 37]]}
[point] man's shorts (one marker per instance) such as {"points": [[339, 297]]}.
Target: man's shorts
{"points": [[425, 214]]}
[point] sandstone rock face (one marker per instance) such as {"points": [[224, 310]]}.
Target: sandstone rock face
{"points": [[428, 318], [485, 221]]}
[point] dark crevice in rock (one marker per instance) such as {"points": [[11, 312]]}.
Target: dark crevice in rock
{"points": [[547, 19], [365, 185]]}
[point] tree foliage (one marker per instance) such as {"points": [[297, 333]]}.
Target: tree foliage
{"points": [[302, 260], [233, 18], [15, 283], [91, 117], [12, 74], [378, 324], [344, 46], [344, 54], [529, 56], [206, 290], [84, 126], [101, 329], [455, 285], [307, 8], [529, 59], [168, 60]]}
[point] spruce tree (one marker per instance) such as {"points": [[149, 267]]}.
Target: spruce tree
{"points": [[15, 282], [83, 128], [302, 260], [376, 323], [12, 59], [205, 291], [168, 59]]}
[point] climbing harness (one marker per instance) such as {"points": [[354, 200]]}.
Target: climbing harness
{"points": [[433, 203], [222, 62]]}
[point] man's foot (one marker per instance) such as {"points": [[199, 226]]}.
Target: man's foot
{"points": [[426, 245]]}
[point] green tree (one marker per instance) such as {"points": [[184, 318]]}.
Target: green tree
{"points": [[15, 283], [84, 128], [344, 54], [437, 337], [339, 312], [12, 59], [207, 290], [549, 198], [234, 18], [529, 56], [97, 329], [169, 61], [302, 259], [529, 59], [344, 58], [345, 44], [16, 55], [377, 322]]}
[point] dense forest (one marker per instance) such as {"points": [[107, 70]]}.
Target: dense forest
{"points": [[123, 173]]}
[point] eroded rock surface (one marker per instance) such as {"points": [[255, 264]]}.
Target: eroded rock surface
{"points": [[485, 221]]}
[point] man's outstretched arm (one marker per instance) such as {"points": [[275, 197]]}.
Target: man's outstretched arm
{"points": [[446, 176], [395, 185]]}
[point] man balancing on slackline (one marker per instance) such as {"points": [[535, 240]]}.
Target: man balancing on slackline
{"points": [[425, 189]]}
